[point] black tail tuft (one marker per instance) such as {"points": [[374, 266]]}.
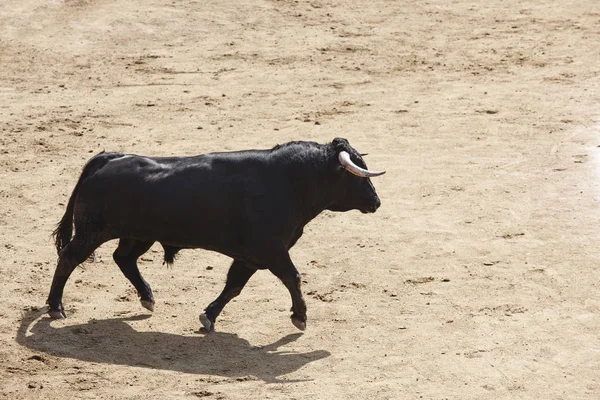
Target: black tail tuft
{"points": [[64, 230]]}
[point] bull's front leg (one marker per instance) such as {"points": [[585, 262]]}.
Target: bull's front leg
{"points": [[283, 268]]}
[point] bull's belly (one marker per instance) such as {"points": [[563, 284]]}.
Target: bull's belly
{"points": [[235, 244], [184, 218], [181, 231]]}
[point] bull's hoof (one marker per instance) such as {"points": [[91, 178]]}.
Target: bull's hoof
{"points": [[57, 314], [299, 323], [148, 305], [207, 323]]}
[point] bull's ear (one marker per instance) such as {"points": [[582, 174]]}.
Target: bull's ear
{"points": [[340, 144]]}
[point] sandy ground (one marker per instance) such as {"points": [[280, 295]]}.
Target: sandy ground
{"points": [[478, 278]]}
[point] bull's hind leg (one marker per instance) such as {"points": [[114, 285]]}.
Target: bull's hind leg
{"points": [[237, 277], [74, 253], [126, 256]]}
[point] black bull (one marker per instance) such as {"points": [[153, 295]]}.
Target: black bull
{"points": [[249, 205]]}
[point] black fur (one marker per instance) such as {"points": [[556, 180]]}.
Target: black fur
{"points": [[249, 205]]}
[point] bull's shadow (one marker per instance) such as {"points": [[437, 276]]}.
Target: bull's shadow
{"points": [[114, 341]]}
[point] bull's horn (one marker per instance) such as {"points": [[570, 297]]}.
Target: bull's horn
{"points": [[355, 169]]}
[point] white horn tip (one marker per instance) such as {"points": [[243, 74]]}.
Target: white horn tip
{"points": [[345, 160]]}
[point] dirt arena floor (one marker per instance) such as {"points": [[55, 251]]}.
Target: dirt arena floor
{"points": [[478, 278]]}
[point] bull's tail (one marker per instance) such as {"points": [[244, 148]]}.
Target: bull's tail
{"points": [[64, 230]]}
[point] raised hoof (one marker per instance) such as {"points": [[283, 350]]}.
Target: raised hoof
{"points": [[299, 324], [207, 323], [148, 305], [57, 314]]}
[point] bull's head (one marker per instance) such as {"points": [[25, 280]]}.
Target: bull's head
{"points": [[354, 190]]}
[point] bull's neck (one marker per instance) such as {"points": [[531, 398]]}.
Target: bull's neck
{"points": [[313, 186]]}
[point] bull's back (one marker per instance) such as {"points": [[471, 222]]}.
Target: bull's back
{"points": [[185, 201]]}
